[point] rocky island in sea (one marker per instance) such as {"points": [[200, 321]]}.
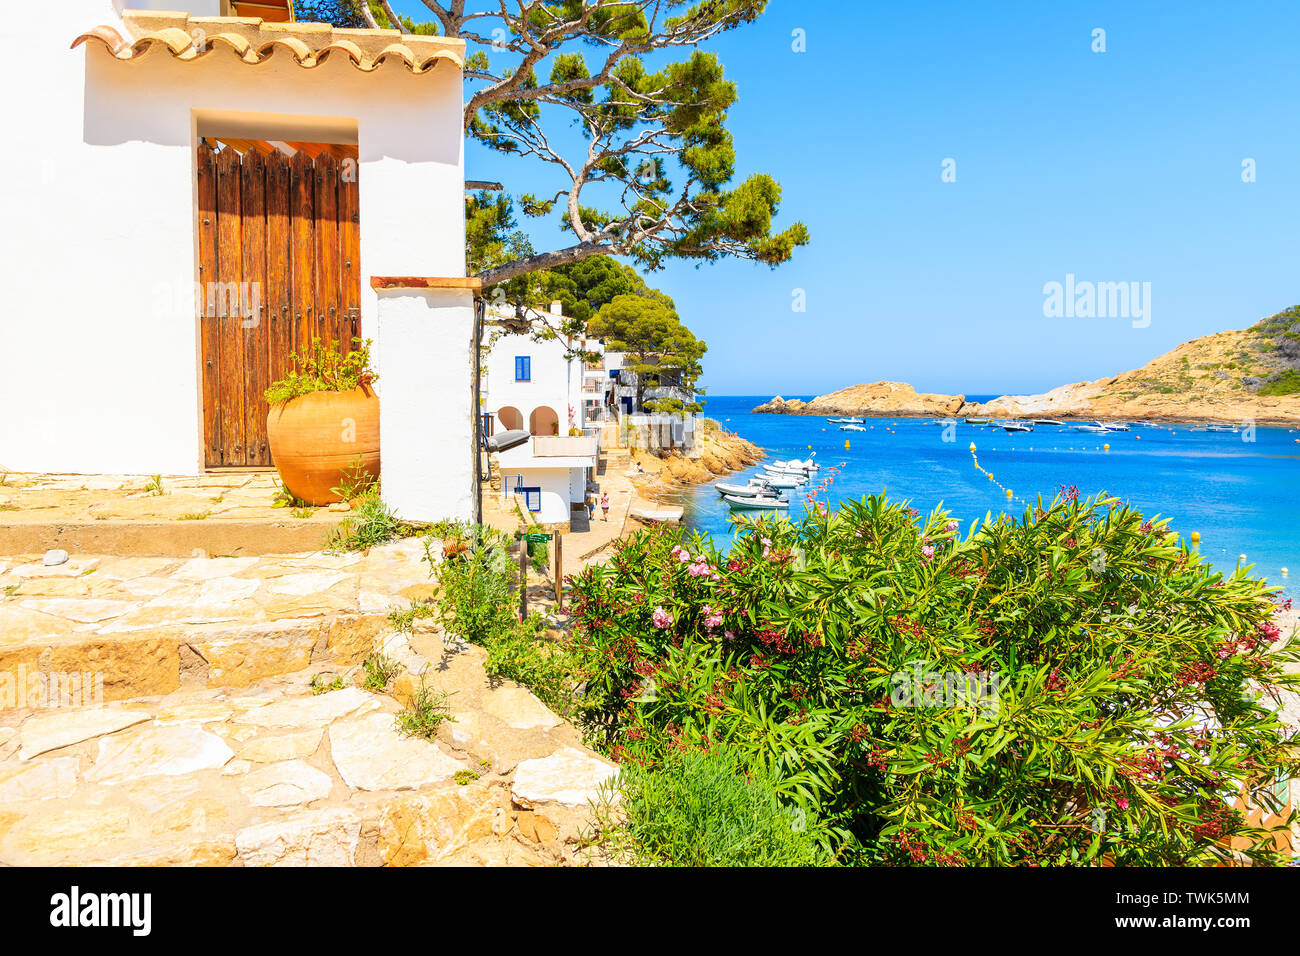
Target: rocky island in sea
{"points": [[1249, 374]]}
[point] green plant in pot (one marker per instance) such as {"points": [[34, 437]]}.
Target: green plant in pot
{"points": [[324, 421]]}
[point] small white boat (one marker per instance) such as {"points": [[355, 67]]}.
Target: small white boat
{"points": [[1116, 426], [846, 421], [736, 503], [1233, 429], [794, 465], [852, 428], [1092, 429], [1016, 427], [1046, 421], [783, 480], [754, 489]]}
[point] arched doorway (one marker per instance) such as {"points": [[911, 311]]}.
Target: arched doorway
{"points": [[544, 421], [510, 418]]}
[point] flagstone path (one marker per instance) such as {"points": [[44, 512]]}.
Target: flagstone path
{"points": [[212, 747]]}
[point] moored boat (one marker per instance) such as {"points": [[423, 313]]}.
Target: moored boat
{"points": [[793, 465], [762, 503], [1017, 427], [755, 489]]}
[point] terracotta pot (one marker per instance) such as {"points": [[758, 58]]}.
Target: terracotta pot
{"points": [[317, 438]]}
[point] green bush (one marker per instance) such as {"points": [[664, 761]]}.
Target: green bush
{"points": [[478, 604], [1285, 383], [707, 808], [478, 600], [1112, 713]]}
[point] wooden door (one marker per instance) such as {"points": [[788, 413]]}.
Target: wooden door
{"points": [[279, 267]]}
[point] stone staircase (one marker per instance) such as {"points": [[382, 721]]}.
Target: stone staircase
{"points": [[214, 749], [150, 626]]}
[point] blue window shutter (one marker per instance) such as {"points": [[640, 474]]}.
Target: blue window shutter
{"points": [[523, 368]]}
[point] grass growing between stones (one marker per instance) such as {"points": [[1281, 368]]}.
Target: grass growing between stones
{"points": [[425, 712], [371, 523], [380, 670], [324, 683], [403, 619]]}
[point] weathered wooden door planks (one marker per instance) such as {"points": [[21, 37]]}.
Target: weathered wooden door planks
{"points": [[279, 266]]}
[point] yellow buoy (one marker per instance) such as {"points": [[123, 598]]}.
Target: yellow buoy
{"points": [[1196, 537], [1107, 447], [972, 448], [1008, 492], [990, 477], [846, 444], [1285, 572], [1241, 557]]}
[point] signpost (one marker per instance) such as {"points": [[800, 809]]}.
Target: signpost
{"points": [[523, 578], [539, 537], [559, 572]]}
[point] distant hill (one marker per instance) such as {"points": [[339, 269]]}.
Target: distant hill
{"points": [[1252, 373]]}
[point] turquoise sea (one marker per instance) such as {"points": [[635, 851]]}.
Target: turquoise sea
{"points": [[1242, 496]]}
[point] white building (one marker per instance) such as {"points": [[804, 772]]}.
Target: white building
{"points": [[539, 386], [110, 361]]}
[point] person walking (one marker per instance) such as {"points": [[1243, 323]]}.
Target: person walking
{"points": [[591, 505], [604, 504]]}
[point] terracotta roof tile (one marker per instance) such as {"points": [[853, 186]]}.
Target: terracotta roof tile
{"points": [[253, 40]]}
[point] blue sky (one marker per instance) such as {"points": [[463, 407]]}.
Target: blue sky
{"points": [[1117, 166]]}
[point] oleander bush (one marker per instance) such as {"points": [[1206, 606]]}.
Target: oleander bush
{"points": [[1069, 687]]}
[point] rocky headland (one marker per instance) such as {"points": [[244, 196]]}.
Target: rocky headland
{"points": [[1250, 374]]}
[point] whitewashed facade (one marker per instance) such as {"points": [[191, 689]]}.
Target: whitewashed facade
{"points": [[100, 340]]}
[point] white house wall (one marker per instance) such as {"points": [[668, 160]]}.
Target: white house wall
{"points": [[99, 344], [551, 384], [556, 491]]}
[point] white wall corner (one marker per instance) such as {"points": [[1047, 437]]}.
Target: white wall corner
{"points": [[425, 366]]}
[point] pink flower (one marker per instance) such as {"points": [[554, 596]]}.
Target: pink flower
{"points": [[927, 552], [712, 618], [952, 526], [684, 556], [699, 569], [662, 618], [729, 635], [1122, 803]]}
